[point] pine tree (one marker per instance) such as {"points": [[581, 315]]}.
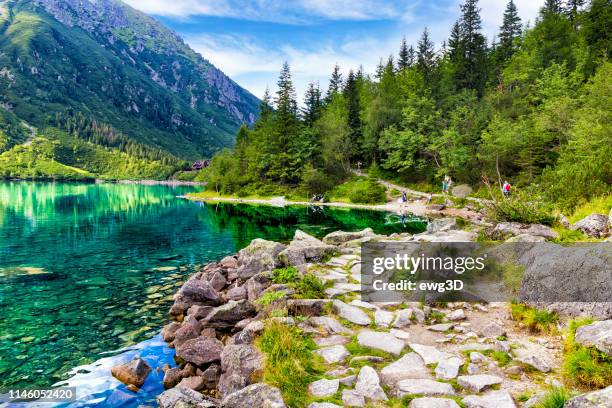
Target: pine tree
{"points": [[265, 106], [552, 6], [411, 56], [312, 104], [380, 68], [426, 56], [510, 30], [403, 61], [353, 107], [471, 68], [335, 83], [572, 8], [455, 49]]}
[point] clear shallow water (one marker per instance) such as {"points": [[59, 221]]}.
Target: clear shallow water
{"points": [[86, 269]]}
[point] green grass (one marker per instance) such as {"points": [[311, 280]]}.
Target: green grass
{"points": [[285, 275], [536, 320], [556, 397], [290, 363], [566, 235], [598, 205], [503, 359], [309, 287], [270, 297], [585, 366], [357, 350]]}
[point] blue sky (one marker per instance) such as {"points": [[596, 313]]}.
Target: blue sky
{"points": [[249, 40]]}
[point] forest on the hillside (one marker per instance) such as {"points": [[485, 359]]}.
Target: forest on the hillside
{"points": [[531, 106]]}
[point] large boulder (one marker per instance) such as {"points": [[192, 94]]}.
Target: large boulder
{"points": [[595, 399], [598, 335], [551, 278], [256, 285], [229, 314], [261, 255], [305, 248], [516, 228], [255, 395], [184, 398], [194, 292], [595, 225], [200, 351], [133, 373], [341, 237], [441, 225], [461, 191], [239, 363]]}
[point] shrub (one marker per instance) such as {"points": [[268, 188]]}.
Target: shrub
{"points": [[536, 320], [556, 397], [585, 366], [520, 208], [369, 192], [309, 287], [285, 275], [315, 181], [290, 364], [270, 297]]}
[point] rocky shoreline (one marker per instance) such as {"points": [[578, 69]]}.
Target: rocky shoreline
{"points": [[468, 353]]}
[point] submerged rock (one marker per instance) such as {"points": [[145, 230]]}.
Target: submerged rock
{"points": [[133, 373]]}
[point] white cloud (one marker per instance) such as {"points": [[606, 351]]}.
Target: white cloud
{"points": [[289, 11]]}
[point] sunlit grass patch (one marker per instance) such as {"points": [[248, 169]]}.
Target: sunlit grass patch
{"points": [[536, 320]]}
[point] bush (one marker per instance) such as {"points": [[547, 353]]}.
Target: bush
{"points": [[369, 192], [270, 297], [285, 275], [291, 364], [556, 397], [315, 181], [520, 208], [309, 287], [585, 366]]}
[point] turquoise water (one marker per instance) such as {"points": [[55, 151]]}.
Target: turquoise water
{"points": [[90, 268]]}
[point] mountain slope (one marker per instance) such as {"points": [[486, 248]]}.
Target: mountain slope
{"points": [[115, 65]]}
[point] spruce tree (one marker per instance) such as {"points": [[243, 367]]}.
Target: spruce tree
{"points": [[426, 56], [353, 108], [572, 8], [312, 104], [455, 49], [411, 56], [284, 165], [510, 30], [471, 68], [380, 69], [403, 60], [286, 105], [552, 6], [335, 83]]}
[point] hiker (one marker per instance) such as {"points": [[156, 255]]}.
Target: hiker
{"points": [[506, 189], [446, 184], [404, 198], [429, 198]]}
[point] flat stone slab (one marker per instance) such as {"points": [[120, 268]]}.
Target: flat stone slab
{"points": [[424, 387], [429, 354], [383, 318], [362, 304], [322, 405], [333, 354], [478, 382], [409, 366], [442, 327], [329, 324], [352, 398], [333, 340], [323, 388], [429, 402], [448, 369], [351, 313], [496, 399], [381, 341]]}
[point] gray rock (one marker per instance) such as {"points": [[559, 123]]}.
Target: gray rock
{"points": [[476, 357], [195, 383], [333, 354], [133, 373], [598, 335], [259, 256], [409, 366], [595, 399], [305, 248], [351, 398], [194, 292], [199, 312], [461, 190], [442, 327], [238, 360], [503, 346], [429, 354], [400, 334], [256, 285], [227, 315], [564, 221], [323, 405], [340, 237], [237, 293], [537, 359], [351, 313], [526, 238], [334, 340], [169, 331], [492, 330], [424, 387], [383, 318], [307, 307], [492, 399], [190, 329], [323, 388], [184, 398], [381, 341], [441, 225], [456, 315], [448, 369], [218, 281], [255, 395], [403, 318], [516, 228], [428, 402], [479, 382], [362, 304], [595, 225], [329, 324], [200, 351], [473, 369], [369, 359], [368, 385]]}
